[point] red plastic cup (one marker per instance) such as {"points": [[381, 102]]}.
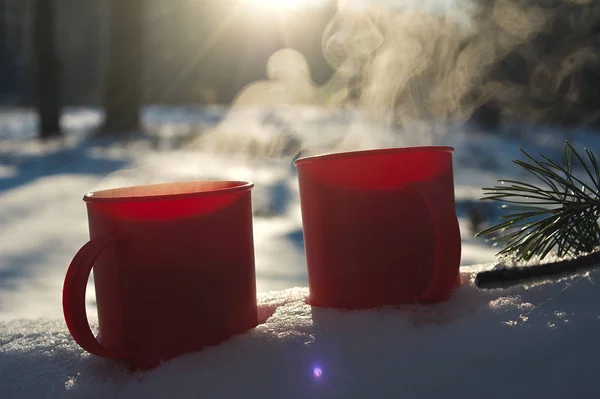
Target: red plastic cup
{"points": [[380, 226], [173, 270]]}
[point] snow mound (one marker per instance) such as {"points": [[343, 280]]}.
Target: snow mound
{"points": [[539, 341]]}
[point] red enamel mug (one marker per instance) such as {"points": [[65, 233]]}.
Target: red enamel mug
{"points": [[380, 226], [173, 270]]}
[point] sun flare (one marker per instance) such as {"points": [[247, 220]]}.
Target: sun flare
{"points": [[283, 5]]}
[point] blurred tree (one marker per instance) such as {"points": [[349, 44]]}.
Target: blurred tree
{"points": [[123, 96], [46, 69], [194, 51]]}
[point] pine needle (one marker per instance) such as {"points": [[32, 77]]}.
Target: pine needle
{"points": [[559, 214]]}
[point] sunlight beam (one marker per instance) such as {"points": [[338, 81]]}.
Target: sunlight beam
{"points": [[282, 5]]}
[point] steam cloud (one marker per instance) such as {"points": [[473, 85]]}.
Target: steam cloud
{"points": [[398, 62], [529, 59]]}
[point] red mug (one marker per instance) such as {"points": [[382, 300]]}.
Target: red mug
{"points": [[380, 226], [173, 270]]}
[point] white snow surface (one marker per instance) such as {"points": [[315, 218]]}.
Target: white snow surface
{"points": [[519, 343], [537, 341]]}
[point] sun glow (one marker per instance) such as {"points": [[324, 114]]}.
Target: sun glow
{"points": [[282, 5]]}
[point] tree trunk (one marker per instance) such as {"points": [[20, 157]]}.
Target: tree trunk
{"points": [[47, 70], [122, 99]]}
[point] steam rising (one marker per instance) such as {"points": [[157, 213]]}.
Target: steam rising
{"points": [[401, 62], [421, 64]]}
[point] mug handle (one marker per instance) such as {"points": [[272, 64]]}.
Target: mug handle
{"points": [[73, 299], [447, 245]]}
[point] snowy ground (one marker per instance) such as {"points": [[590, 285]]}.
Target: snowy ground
{"points": [[502, 337], [522, 343]]}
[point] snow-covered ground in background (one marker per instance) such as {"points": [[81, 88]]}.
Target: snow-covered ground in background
{"points": [[538, 342]]}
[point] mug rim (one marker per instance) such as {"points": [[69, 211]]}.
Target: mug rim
{"points": [[237, 186], [377, 151]]}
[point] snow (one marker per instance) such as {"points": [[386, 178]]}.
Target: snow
{"points": [[518, 343], [535, 341]]}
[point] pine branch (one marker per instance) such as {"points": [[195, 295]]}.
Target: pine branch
{"points": [[560, 213]]}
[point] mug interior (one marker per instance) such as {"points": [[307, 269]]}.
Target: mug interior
{"points": [[167, 190]]}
